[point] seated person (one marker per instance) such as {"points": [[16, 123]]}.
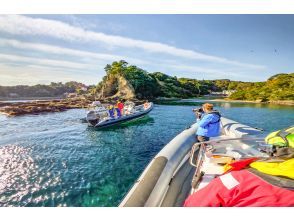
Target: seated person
{"points": [[208, 124]]}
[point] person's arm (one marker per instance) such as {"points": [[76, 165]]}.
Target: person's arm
{"points": [[204, 121]]}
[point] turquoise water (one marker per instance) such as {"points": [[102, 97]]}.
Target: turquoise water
{"points": [[55, 160]]}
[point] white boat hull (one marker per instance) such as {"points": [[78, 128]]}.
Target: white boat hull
{"points": [[114, 121]]}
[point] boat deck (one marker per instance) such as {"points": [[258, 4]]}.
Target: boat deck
{"points": [[224, 152]]}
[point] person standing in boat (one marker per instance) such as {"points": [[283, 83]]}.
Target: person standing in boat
{"points": [[117, 110], [208, 123], [120, 106]]}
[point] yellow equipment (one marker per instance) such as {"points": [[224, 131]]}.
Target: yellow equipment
{"points": [[285, 168], [281, 138]]}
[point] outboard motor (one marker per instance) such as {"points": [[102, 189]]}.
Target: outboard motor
{"points": [[93, 118]]}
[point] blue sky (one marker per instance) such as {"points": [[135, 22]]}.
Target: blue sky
{"points": [[44, 48]]}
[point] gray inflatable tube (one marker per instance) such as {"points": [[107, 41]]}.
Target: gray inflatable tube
{"points": [[152, 186]]}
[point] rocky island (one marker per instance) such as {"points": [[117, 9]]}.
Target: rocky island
{"points": [[129, 82]]}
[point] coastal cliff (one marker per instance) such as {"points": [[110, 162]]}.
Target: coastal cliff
{"points": [[116, 86], [128, 81]]}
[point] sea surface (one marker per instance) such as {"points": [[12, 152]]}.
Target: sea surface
{"points": [[56, 160]]}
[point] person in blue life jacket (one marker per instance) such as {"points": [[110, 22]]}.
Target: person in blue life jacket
{"points": [[111, 111], [117, 109], [208, 121]]}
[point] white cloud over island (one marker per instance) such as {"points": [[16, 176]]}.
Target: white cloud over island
{"points": [[25, 26]]}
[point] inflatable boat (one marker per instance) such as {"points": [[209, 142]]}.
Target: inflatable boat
{"points": [[182, 167], [100, 118]]}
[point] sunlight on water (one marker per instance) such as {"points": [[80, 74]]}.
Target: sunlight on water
{"points": [[19, 176]]}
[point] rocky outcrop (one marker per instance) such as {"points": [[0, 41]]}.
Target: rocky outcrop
{"points": [[116, 86]]}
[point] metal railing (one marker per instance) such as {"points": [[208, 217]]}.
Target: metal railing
{"points": [[202, 146]]}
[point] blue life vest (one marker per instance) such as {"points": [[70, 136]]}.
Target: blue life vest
{"points": [[209, 125]]}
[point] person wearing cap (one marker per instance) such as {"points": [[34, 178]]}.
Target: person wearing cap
{"points": [[209, 124]]}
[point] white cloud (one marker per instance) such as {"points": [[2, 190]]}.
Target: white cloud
{"points": [[197, 72], [46, 62], [66, 51], [194, 69], [78, 21], [23, 25], [34, 74]]}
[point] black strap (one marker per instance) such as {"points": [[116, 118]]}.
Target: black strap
{"points": [[278, 181]]}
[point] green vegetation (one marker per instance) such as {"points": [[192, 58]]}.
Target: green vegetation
{"points": [[145, 86], [277, 87], [129, 81], [52, 90], [157, 84]]}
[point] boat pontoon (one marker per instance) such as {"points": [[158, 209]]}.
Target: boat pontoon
{"points": [[99, 117], [182, 167]]}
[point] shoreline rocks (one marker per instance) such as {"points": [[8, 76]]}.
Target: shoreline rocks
{"points": [[37, 107], [277, 102], [46, 106]]}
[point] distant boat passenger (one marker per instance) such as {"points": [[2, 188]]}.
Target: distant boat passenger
{"points": [[120, 106], [146, 105], [111, 111], [117, 110]]}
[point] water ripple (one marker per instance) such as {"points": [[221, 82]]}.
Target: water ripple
{"points": [[55, 160]]}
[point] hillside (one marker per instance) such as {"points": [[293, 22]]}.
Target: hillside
{"points": [[129, 81], [144, 85], [277, 87], [51, 90]]}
